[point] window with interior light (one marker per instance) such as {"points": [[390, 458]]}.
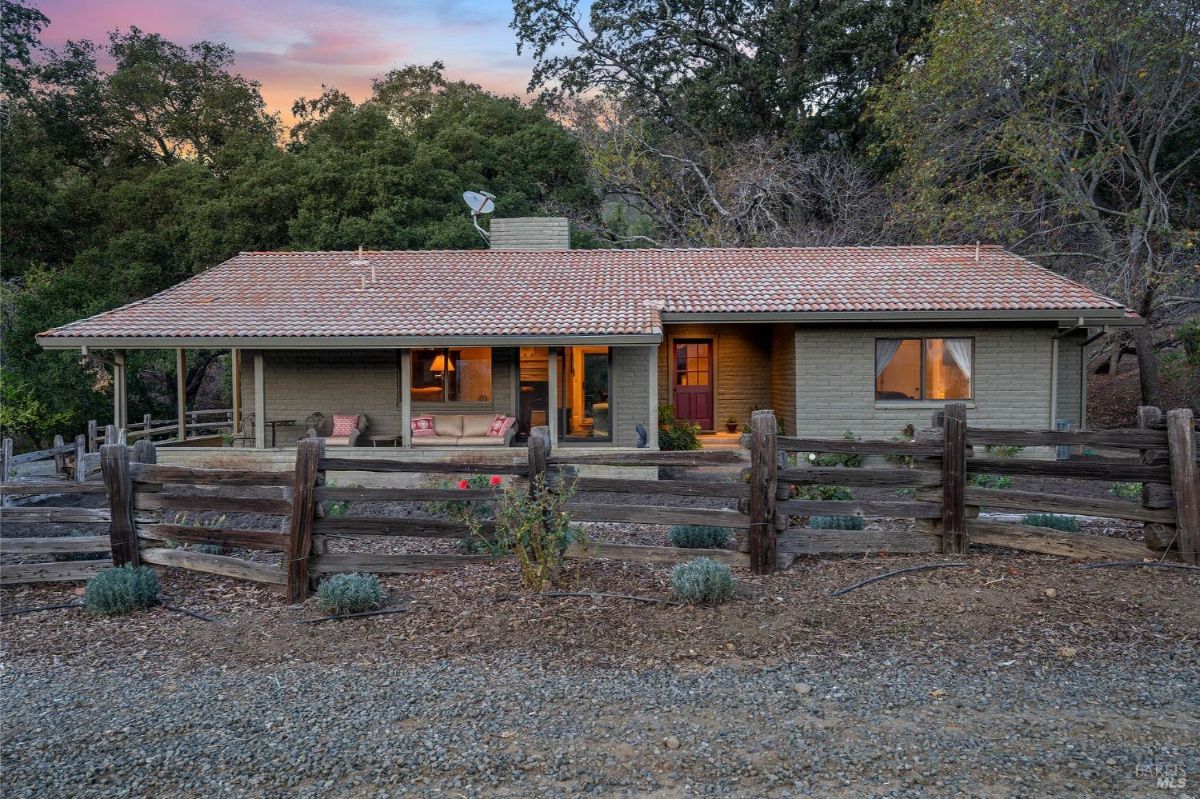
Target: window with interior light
{"points": [[451, 374], [924, 368]]}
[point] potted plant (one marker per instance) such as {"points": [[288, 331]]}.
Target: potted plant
{"points": [[731, 423], [227, 438]]}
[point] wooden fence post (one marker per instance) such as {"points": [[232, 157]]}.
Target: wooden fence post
{"points": [[80, 464], [122, 532], [954, 479], [1158, 536], [1185, 482], [539, 451], [764, 470], [5, 465], [93, 433], [304, 506], [60, 458], [144, 451]]}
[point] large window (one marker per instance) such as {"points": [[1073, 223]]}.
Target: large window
{"points": [[923, 368], [452, 375]]}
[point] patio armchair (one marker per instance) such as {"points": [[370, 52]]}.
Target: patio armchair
{"points": [[322, 426], [245, 432]]}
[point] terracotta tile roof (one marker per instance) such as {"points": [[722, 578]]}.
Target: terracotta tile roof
{"points": [[578, 292]]}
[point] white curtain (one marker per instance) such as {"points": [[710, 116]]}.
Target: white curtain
{"points": [[885, 350], [960, 351]]}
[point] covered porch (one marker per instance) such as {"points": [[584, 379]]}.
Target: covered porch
{"points": [[589, 393]]}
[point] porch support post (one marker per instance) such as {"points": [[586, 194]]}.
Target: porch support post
{"points": [[235, 382], [120, 392], [552, 395], [652, 424], [260, 402], [406, 398], [181, 392]]}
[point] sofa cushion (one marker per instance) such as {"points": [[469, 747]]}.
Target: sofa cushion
{"points": [[476, 424], [337, 441], [448, 425], [481, 441], [433, 441]]}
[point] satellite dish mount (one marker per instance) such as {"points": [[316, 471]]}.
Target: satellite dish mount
{"points": [[480, 202]]}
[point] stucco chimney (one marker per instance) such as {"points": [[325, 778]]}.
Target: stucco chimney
{"points": [[531, 233]]}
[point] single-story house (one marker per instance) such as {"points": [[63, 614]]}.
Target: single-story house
{"points": [[591, 342]]}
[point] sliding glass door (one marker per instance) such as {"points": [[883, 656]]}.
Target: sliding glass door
{"points": [[583, 404]]}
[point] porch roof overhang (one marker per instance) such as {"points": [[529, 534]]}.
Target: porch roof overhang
{"points": [[332, 342]]}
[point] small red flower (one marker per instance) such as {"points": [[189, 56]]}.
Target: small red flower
{"points": [[495, 480], [463, 484]]}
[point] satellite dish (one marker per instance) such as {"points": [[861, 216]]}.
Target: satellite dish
{"points": [[480, 202]]}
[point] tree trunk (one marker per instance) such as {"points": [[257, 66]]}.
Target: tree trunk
{"points": [[1143, 339]]}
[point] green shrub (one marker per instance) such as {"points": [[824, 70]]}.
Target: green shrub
{"points": [[849, 460], [1065, 523], [990, 480], [1003, 450], [836, 523], [460, 509], [121, 590], [207, 549], [99, 554], [1189, 334], [822, 493], [349, 593], [676, 434], [695, 536], [1126, 490], [702, 582], [532, 523]]}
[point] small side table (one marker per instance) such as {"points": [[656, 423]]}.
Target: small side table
{"points": [[384, 441]]}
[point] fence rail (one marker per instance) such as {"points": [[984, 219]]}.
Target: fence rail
{"points": [[927, 482]]}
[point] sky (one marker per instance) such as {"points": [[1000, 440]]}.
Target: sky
{"points": [[293, 46]]}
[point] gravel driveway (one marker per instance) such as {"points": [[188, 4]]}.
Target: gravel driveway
{"points": [[855, 724]]}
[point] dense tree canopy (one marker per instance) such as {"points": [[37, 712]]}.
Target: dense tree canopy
{"points": [[120, 181], [1066, 131]]}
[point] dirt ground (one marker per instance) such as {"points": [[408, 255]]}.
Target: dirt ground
{"points": [[480, 610]]}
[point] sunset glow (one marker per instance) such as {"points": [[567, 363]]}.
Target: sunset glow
{"points": [[292, 47]]}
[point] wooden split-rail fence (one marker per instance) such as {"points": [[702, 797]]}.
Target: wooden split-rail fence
{"points": [[938, 511]]}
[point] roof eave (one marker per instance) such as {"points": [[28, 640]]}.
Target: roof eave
{"points": [[67, 342], [1115, 317]]}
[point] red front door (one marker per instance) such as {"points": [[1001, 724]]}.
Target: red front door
{"points": [[693, 381]]}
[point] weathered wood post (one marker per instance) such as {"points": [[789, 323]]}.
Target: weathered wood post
{"points": [[118, 480], [144, 452], [1159, 536], [764, 471], [539, 452], [93, 434], [1185, 482], [954, 479], [304, 506], [5, 465], [60, 457], [80, 463]]}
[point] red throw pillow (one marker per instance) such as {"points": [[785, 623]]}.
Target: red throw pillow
{"points": [[509, 421], [422, 426], [497, 426], [343, 425]]}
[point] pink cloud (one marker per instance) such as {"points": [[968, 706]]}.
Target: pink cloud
{"points": [[292, 47]]}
